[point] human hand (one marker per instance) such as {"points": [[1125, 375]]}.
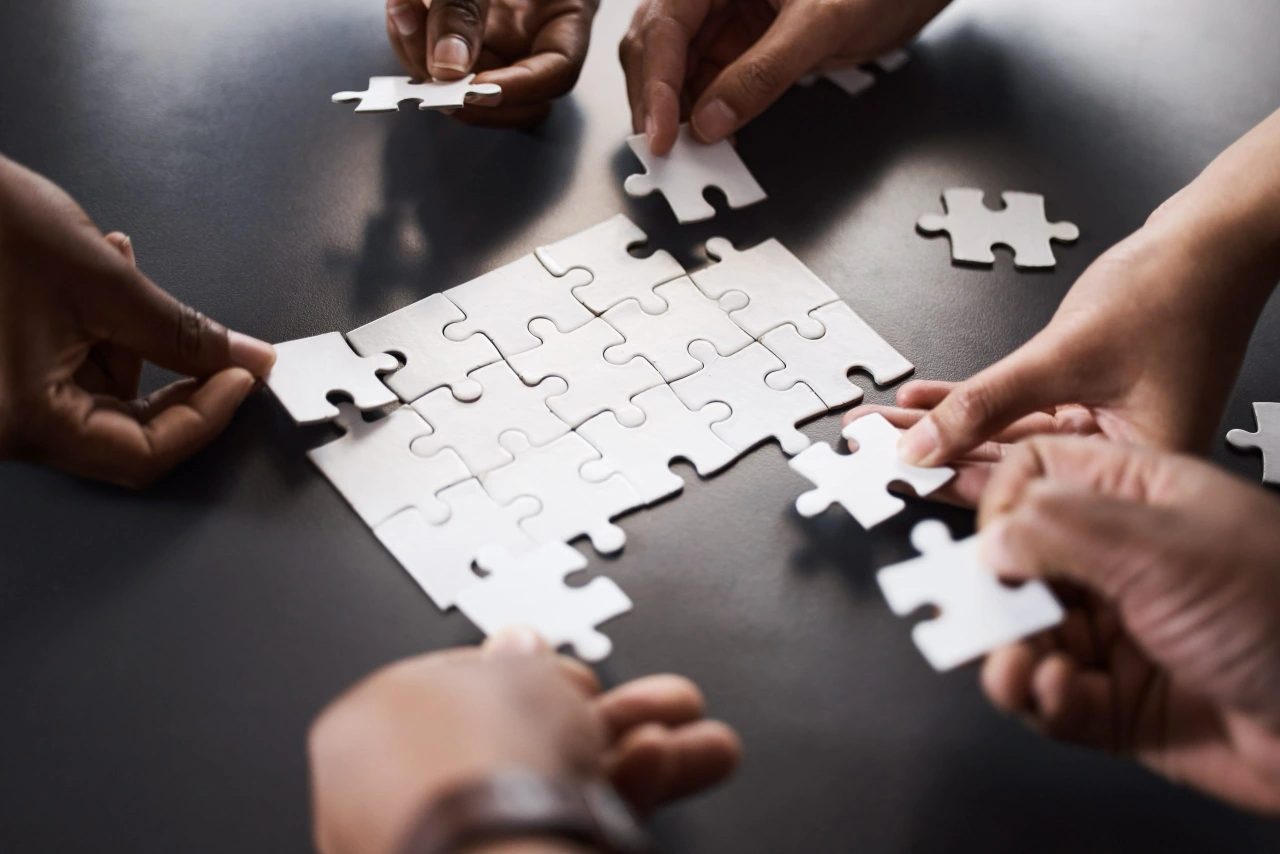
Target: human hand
{"points": [[415, 729], [722, 62], [533, 49], [1170, 651], [77, 319]]}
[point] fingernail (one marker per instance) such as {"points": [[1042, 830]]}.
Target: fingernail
{"points": [[918, 443], [406, 22], [452, 53], [993, 548], [714, 121], [650, 128], [253, 355], [516, 641]]}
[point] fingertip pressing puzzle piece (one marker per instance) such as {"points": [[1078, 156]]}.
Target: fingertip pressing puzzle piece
{"points": [[1266, 439], [687, 170], [978, 613], [975, 228], [385, 94], [308, 370], [779, 288], [530, 590]]}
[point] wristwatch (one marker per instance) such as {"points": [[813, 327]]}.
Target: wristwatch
{"points": [[521, 802]]}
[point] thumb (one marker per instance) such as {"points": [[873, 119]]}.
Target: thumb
{"points": [[455, 32]]}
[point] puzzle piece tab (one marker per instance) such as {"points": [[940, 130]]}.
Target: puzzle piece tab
{"points": [[530, 590], [687, 170], [778, 286], [975, 228], [855, 80], [385, 94], [308, 370], [978, 613], [1266, 440]]}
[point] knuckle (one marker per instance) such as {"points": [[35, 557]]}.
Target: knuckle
{"points": [[761, 76], [194, 334], [465, 13], [972, 405]]}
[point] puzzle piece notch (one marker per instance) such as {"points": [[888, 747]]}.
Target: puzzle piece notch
{"points": [[978, 613], [824, 363], [616, 274], [663, 339], [859, 481], [432, 360], [1266, 439], [530, 590], [1021, 225], [689, 169], [643, 454], [308, 370], [439, 557], [385, 94], [778, 286]]}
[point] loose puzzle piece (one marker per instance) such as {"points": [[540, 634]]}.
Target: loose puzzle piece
{"points": [[595, 384], [416, 332], [503, 301], [571, 504], [616, 274], [476, 429], [670, 431], [530, 590], [439, 557], [824, 363], [759, 412], [978, 613], [308, 370], [855, 80], [385, 94], [779, 287], [664, 338], [687, 170], [1021, 225], [373, 468], [1267, 439], [860, 481]]}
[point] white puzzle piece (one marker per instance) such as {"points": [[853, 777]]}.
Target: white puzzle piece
{"points": [[778, 286], [476, 429], [373, 468], [824, 363], [1266, 440], [571, 504], [308, 370], [855, 80], [1021, 225], [978, 613], [758, 412], [529, 590], [688, 169], [595, 385], [385, 94], [859, 482], [664, 338], [439, 557], [503, 301], [670, 431], [416, 332], [616, 274]]}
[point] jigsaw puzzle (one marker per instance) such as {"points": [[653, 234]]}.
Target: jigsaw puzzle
{"points": [[308, 370], [778, 286], [1021, 225], [439, 556], [855, 80], [758, 412], [689, 169], [823, 364], [530, 590], [1266, 439], [595, 385], [571, 504], [616, 274], [670, 431], [664, 338], [385, 94], [978, 613], [416, 333], [859, 482]]}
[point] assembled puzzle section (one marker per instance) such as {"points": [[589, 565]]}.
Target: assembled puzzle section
{"points": [[308, 370], [778, 287], [687, 170], [385, 94], [978, 613], [1266, 440], [975, 228]]}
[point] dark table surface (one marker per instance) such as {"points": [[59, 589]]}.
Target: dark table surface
{"points": [[163, 652]]}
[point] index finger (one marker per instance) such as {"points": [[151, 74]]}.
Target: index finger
{"points": [[654, 58]]}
